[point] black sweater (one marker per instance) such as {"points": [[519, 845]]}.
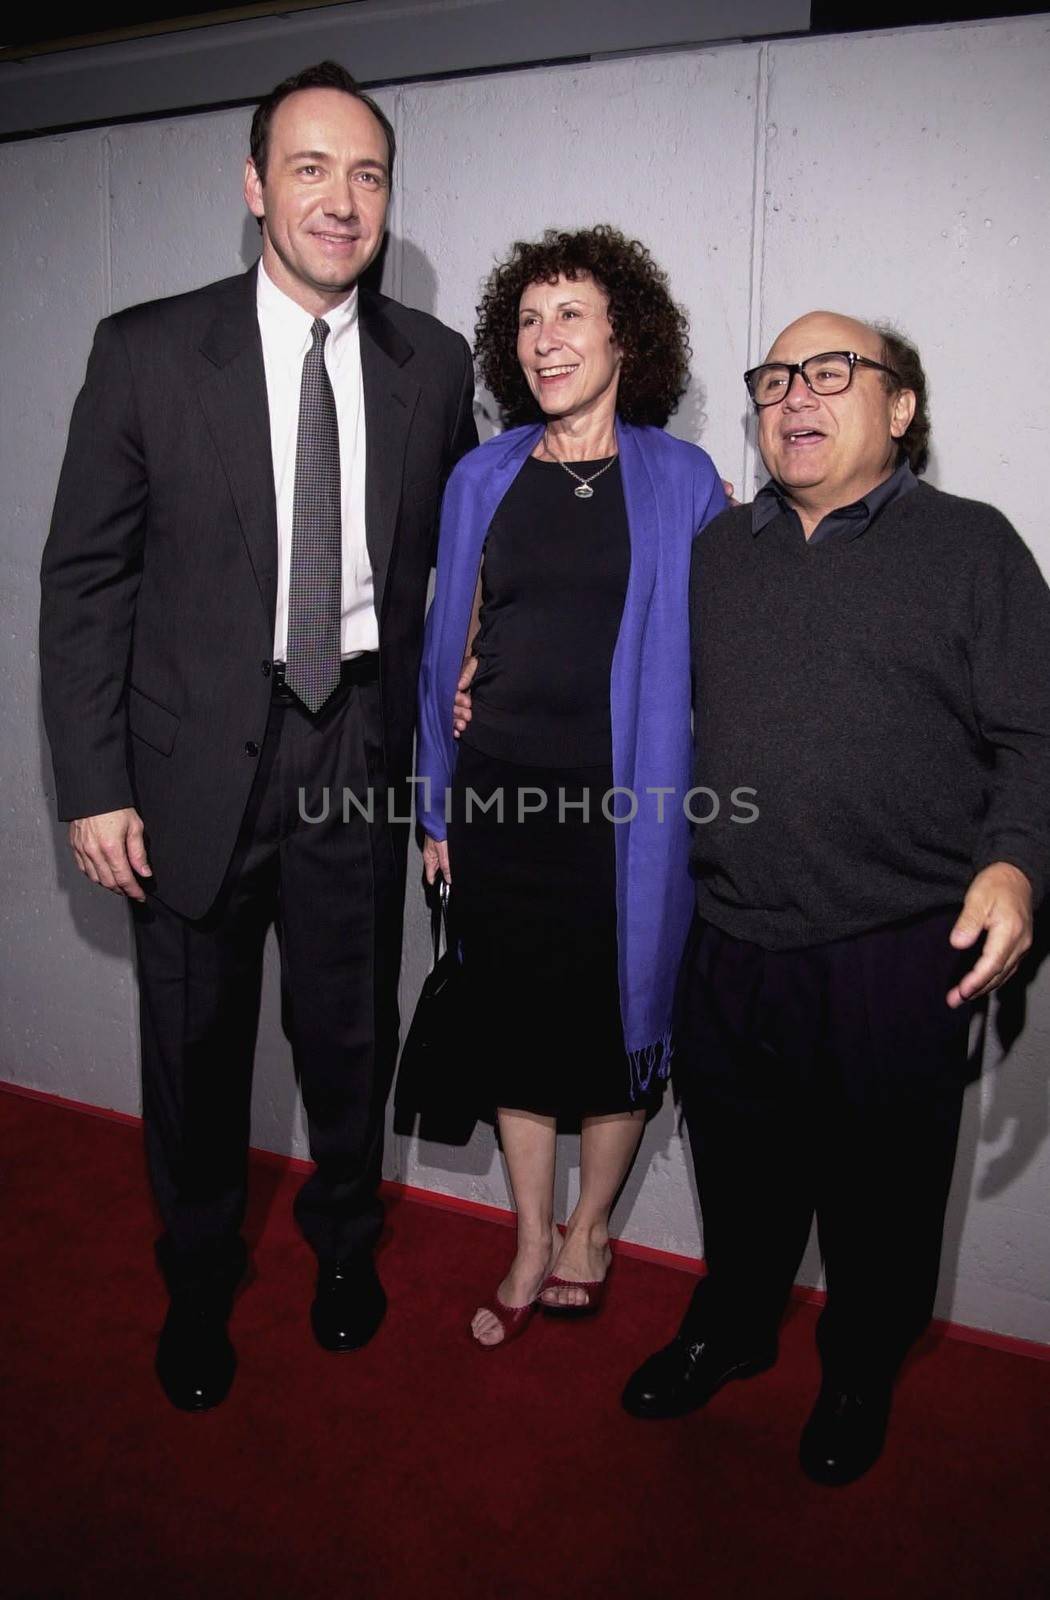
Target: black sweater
{"points": [[888, 698]]}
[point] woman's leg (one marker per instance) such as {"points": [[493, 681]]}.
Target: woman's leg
{"points": [[529, 1147], [607, 1148]]}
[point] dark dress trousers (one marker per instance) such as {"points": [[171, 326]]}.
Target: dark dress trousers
{"points": [[825, 1082], [159, 593]]}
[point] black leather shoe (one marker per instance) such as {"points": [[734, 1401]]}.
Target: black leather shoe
{"points": [[686, 1373], [195, 1359], [845, 1433], [349, 1304]]}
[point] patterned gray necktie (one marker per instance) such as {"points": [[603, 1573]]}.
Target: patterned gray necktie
{"points": [[315, 584]]}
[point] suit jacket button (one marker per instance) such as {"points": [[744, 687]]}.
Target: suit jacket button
{"points": [[266, 669], [251, 748]]}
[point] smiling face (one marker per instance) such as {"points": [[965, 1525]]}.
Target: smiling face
{"points": [[829, 450], [323, 202], [566, 348]]}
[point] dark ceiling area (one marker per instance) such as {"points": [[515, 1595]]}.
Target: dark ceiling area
{"points": [[31, 30], [95, 23], [832, 16]]}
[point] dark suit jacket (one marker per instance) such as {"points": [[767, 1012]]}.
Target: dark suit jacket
{"points": [[160, 571]]}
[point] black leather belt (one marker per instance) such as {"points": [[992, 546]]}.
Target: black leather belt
{"points": [[358, 670]]}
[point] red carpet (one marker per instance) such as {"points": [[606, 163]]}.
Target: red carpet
{"points": [[423, 1467]]}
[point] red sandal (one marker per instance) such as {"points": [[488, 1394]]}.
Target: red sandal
{"points": [[592, 1305], [512, 1319]]}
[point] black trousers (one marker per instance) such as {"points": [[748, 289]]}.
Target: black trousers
{"points": [[824, 1081], [331, 888]]}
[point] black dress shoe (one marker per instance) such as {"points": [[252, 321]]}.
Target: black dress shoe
{"points": [[349, 1304], [845, 1433], [686, 1373], [195, 1359]]}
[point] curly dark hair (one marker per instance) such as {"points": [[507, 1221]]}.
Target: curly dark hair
{"points": [[899, 353], [651, 331], [325, 75]]}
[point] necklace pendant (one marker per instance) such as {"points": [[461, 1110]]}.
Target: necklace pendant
{"points": [[584, 492]]}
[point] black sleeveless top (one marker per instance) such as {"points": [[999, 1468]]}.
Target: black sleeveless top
{"points": [[554, 582]]}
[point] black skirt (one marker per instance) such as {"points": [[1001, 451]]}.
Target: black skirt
{"points": [[534, 898]]}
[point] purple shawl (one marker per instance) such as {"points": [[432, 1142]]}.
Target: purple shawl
{"points": [[671, 490]]}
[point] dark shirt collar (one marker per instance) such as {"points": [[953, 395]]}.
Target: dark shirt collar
{"points": [[846, 522]]}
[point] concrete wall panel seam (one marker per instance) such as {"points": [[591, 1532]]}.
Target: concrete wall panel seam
{"points": [[749, 464], [105, 181]]}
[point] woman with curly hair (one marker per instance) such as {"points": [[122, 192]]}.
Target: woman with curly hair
{"points": [[563, 574]]}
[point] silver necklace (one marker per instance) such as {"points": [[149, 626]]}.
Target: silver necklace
{"points": [[583, 490]]}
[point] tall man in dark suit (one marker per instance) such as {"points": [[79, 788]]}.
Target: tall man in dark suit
{"points": [[233, 596]]}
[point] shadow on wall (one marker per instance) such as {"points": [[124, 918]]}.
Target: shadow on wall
{"points": [[656, 1144], [1000, 1098], [250, 241], [690, 420], [1014, 1105]]}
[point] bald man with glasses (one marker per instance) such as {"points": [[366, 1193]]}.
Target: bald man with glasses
{"points": [[871, 656]]}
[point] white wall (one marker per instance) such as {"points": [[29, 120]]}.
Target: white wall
{"points": [[899, 175]]}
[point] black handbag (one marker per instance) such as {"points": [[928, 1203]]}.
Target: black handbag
{"points": [[434, 1069]]}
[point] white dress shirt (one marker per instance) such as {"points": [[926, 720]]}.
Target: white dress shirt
{"points": [[286, 337]]}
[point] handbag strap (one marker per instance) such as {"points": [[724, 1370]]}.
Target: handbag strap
{"points": [[439, 915]]}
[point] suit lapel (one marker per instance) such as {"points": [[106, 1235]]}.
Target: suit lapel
{"points": [[233, 395], [391, 396]]}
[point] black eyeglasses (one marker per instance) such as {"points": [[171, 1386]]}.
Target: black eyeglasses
{"points": [[830, 373]]}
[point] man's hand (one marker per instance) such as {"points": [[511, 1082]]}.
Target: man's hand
{"points": [[462, 709], [729, 490], [110, 849], [435, 859], [998, 904]]}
